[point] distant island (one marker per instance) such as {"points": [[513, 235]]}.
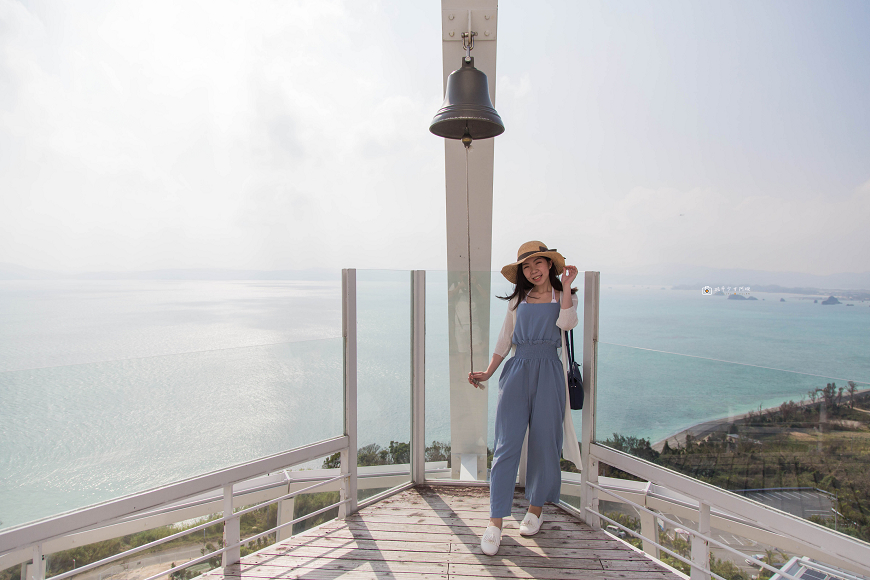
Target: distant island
{"points": [[831, 300], [863, 295], [741, 297]]}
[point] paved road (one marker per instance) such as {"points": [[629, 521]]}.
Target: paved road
{"points": [[739, 543], [143, 565], [802, 503]]}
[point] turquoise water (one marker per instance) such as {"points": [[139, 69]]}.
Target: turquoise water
{"points": [[653, 394], [111, 387]]}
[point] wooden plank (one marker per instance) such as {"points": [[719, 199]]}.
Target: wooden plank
{"points": [[461, 531], [300, 555], [520, 561], [426, 533], [506, 573], [614, 553], [640, 563], [412, 512], [328, 563], [542, 541], [479, 524], [294, 544], [540, 573], [320, 574]]}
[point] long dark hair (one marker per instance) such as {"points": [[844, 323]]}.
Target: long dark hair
{"points": [[523, 286]]}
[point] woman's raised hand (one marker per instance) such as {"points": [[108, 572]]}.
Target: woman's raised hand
{"points": [[476, 378], [569, 274]]}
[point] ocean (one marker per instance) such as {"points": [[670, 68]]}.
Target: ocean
{"points": [[108, 387]]}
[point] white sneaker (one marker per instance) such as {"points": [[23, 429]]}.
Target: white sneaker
{"points": [[491, 540], [531, 524]]}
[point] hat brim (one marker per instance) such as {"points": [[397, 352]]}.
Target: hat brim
{"points": [[510, 271]]}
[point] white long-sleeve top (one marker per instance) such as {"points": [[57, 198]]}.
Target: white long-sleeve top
{"points": [[566, 321]]}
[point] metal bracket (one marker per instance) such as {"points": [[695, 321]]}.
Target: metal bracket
{"points": [[468, 466], [455, 22]]}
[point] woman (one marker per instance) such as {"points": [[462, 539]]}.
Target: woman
{"points": [[532, 390]]}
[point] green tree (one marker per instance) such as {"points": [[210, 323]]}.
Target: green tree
{"points": [[333, 461], [852, 388], [399, 453]]}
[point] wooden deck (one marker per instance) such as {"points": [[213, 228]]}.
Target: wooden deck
{"points": [[434, 532]]}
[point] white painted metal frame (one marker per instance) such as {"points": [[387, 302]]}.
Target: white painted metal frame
{"points": [[418, 376], [34, 536], [469, 229], [700, 556], [250, 492], [822, 543], [349, 332], [828, 545], [683, 494], [106, 513], [589, 471]]}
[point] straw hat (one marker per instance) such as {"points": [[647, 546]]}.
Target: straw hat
{"points": [[529, 250]]}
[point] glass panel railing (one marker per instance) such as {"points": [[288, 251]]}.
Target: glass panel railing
{"points": [[437, 368], [782, 331], [790, 440], [453, 407], [54, 323], [384, 367], [175, 552], [184, 543], [80, 434]]}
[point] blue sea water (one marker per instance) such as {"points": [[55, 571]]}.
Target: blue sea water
{"points": [[111, 387]]}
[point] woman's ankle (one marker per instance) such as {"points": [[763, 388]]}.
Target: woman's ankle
{"points": [[536, 510], [497, 522]]}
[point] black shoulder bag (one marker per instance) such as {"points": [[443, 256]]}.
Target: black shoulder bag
{"points": [[575, 379]]}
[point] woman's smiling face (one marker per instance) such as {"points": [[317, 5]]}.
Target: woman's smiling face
{"points": [[537, 270]]}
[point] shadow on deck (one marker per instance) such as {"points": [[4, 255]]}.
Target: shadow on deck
{"points": [[434, 532]]}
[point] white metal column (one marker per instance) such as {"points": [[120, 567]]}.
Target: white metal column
{"points": [[232, 530], [418, 376], [589, 471], [348, 456], [38, 568], [649, 527], [468, 406], [700, 546]]}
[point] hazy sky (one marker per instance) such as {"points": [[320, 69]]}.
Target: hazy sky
{"points": [[273, 135]]}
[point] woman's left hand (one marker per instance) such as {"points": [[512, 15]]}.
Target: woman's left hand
{"points": [[569, 275]]}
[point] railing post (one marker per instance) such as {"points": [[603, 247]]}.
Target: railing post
{"points": [[348, 456], [418, 376], [37, 572], [285, 513], [700, 546], [589, 470], [648, 527], [232, 530]]}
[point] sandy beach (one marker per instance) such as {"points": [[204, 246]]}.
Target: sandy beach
{"points": [[701, 430]]}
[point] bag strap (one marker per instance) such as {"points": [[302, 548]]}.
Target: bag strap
{"points": [[569, 343]]}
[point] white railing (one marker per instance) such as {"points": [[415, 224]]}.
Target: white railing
{"points": [[185, 498], [94, 523], [265, 482], [697, 500]]}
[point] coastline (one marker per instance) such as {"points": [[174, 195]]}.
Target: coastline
{"points": [[705, 428]]}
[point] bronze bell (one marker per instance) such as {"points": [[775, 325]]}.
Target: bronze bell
{"points": [[467, 109]]}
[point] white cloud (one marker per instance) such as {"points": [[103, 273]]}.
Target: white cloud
{"points": [[190, 134], [201, 134]]}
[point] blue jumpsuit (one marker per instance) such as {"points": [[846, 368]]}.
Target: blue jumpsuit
{"points": [[531, 392]]}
